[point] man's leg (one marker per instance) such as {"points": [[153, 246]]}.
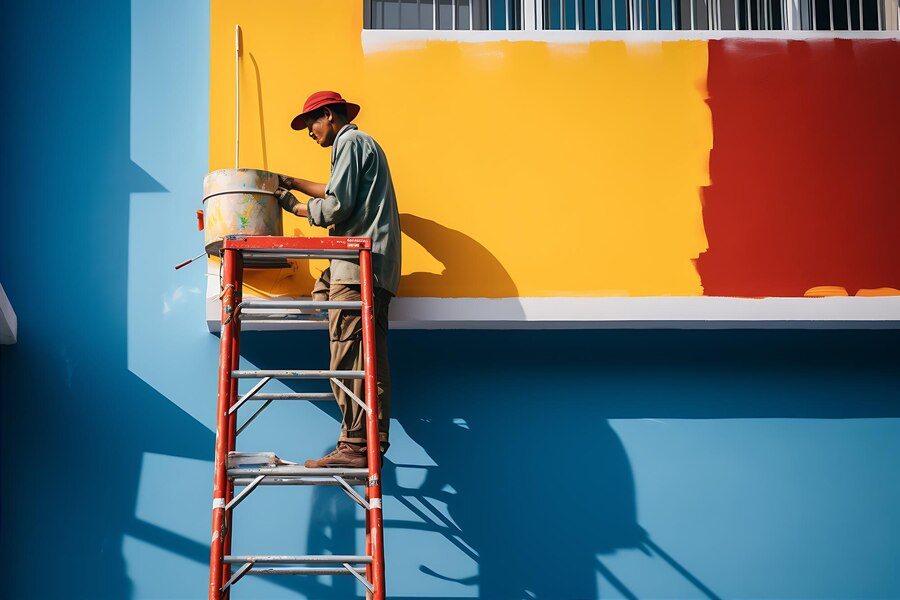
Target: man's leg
{"points": [[345, 332], [345, 329]]}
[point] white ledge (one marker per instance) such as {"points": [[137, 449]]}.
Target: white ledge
{"points": [[678, 312]]}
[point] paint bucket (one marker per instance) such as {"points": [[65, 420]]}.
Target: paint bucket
{"points": [[239, 201]]}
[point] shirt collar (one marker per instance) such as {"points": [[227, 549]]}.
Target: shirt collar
{"points": [[345, 128]]}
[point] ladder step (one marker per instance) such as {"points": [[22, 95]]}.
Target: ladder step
{"points": [[324, 559], [305, 571], [299, 374], [245, 481], [312, 396], [285, 471], [316, 317], [300, 304]]}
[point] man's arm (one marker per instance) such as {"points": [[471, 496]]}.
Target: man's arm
{"points": [[308, 188], [340, 200]]}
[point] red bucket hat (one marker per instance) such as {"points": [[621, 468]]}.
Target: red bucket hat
{"points": [[318, 100]]}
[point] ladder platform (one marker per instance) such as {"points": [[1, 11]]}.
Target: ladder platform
{"points": [[243, 374], [320, 559], [261, 254], [273, 244]]}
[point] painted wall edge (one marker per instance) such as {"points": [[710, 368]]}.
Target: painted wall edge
{"points": [[620, 313]]}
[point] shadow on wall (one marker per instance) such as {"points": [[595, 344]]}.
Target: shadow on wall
{"points": [[537, 485], [76, 423], [76, 427], [470, 270]]}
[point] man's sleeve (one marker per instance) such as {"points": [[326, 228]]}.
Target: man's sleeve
{"points": [[340, 193]]}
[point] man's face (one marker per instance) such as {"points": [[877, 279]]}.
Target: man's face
{"points": [[321, 129]]}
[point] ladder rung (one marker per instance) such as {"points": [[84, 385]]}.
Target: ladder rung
{"points": [[238, 481], [326, 559], [312, 396], [299, 374], [294, 253], [319, 317], [300, 304], [304, 571], [298, 471]]}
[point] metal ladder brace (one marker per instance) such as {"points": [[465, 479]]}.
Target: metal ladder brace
{"points": [[236, 252]]}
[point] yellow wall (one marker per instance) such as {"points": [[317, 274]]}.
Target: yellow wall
{"points": [[522, 168]]}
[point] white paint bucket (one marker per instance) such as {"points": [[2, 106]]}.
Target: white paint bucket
{"points": [[239, 201]]}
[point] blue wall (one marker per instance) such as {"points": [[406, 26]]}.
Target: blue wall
{"points": [[576, 465]]}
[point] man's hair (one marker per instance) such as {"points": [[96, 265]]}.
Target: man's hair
{"points": [[338, 109]]}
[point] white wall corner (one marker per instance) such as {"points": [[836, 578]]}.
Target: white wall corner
{"points": [[9, 324]]}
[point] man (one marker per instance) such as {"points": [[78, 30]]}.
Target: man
{"points": [[358, 201]]}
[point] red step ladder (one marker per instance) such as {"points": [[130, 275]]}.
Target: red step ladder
{"points": [[238, 251]]}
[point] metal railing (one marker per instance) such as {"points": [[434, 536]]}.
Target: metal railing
{"points": [[634, 15]]}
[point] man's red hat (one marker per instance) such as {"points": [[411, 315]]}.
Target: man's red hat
{"points": [[318, 100]]}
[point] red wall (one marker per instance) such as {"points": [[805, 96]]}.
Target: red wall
{"points": [[804, 167]]}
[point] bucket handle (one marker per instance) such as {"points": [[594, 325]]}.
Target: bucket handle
{"points": [[246, 191]]}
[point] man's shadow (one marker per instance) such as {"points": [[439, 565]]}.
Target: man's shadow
{"points": [[469, 269]]}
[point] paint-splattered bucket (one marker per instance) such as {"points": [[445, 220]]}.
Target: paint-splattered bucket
{"points": [[239, 201]]}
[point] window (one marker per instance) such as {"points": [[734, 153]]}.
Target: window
{"points": [[629, 15]]}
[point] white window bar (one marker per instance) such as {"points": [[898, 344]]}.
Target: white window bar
{"points": [[758, 15]]}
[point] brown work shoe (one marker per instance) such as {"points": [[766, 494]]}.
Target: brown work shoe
{"points": [[347, 454]]}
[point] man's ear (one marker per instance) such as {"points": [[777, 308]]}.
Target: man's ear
{"points": [[329, 114]]}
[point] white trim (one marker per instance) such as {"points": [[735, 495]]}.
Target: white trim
{"points": [[687, 312], [9, 323], [380, 40]]}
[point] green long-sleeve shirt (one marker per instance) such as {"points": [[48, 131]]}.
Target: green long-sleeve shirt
{"points": [[360, 202]]}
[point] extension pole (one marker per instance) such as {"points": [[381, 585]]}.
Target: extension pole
{"points": [[237, 94]]}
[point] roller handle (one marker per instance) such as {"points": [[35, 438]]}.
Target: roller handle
{"points": [[187, 262]]}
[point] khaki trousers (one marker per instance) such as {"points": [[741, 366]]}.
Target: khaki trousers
{"points": [[345, 332]]}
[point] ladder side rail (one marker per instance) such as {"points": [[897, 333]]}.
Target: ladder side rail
{"points": [[230, 267], [232, 417], [374, 517]]}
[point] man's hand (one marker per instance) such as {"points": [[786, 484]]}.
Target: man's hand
{"points": [[285, 182], [286, 199], [289, 203]]}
